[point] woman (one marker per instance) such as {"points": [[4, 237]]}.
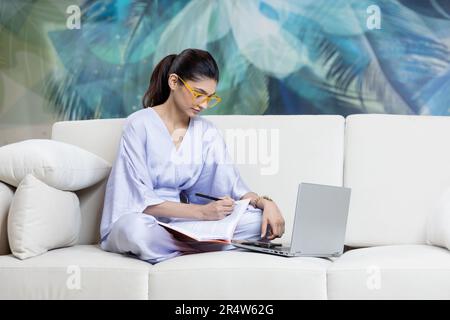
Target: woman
{"points": [[166, 150]]}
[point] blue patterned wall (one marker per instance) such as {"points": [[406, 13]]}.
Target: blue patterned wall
{"points": [[275, 56]]}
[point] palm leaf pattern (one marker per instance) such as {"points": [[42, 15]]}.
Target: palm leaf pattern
{"points": [[275, 56]]}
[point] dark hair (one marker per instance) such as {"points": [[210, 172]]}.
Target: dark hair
{"points": [[190, 64]]}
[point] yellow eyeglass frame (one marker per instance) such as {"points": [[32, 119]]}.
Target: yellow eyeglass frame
{"points": [[196, 95]]}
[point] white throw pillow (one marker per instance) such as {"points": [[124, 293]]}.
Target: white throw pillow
{"points": [[438, 223], [58, 164], [42, 218], [6, 196]]}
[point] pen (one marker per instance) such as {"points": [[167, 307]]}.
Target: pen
{"points": [[206, 196]]}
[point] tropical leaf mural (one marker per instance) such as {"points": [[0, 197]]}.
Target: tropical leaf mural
{"points": [[275, 56]]}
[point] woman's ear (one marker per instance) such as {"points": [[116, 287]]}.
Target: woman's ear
{"points": [[173, 81]]}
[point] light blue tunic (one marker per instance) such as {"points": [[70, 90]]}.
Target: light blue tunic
{"points": [[149, 170]]}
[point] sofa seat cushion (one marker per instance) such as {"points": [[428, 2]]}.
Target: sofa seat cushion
{"points": [[391, 272], [238, 275], [79, 272]]}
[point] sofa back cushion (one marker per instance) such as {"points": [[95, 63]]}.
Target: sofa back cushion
{"points": [[273, 153], [101, 137], [286, 150], [6, 196], [398, 168]]}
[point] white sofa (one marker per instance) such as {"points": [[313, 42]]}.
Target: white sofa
{"points": [[397, 167]]}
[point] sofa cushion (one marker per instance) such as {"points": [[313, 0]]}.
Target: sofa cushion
{"points": [[275, 153], [238, 275], [391, 272], [37, 224], [101, 137], [398, 168], [438, 223], [79, 272], [60, 165], [6, 196]]}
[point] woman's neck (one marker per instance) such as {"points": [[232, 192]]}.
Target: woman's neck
{"points": [[171, 115]]}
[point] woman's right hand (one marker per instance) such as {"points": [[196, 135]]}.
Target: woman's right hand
{"points": [[217, 210]]}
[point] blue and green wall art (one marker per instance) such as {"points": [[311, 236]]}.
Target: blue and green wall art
{"points": [[93, 59]]}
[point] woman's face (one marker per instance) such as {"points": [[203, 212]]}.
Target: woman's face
{"points": [[183, 97]]}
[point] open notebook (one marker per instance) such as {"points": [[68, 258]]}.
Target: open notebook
{"points": [[211, 231]]}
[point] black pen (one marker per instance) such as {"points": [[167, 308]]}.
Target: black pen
{"points": [[206, 196]]}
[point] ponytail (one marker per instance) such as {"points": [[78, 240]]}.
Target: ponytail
{"points": [[158, 90]]}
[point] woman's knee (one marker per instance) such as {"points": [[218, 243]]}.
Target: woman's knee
{"points": [[130, 230], [142, 236], [134, 224]]}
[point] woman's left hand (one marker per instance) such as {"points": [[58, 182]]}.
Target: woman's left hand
{"points": [[272, 217]]}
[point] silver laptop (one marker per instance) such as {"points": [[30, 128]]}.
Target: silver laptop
{"points": [[319, 224]]}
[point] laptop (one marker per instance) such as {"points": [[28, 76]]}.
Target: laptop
{"points": [[319, 224]]}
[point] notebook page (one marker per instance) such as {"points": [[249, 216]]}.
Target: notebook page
{"points": [[209, 230]]}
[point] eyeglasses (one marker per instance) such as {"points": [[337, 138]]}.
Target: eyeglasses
{"points": [[200, 98]]}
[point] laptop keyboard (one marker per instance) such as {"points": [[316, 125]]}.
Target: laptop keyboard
{"points": [[263, 244]]}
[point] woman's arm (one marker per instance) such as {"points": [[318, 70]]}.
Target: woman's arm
{"points": [[214, 210], [271, 216], [172, 209], [253, 196], [249, 195]]}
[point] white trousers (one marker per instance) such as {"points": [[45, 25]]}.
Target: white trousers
{"points": [[140, 235]]}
